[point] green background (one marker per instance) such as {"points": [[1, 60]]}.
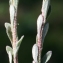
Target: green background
{"points": [[28, 12]]}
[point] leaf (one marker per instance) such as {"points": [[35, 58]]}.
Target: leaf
{"points": [[12, 13], [39, 23], [8, 31], [8, 48], [35, 52], [10, 57], [45, 30], [46, 57], [45, 7], [10, 53], [15, 3], [18, 44]]}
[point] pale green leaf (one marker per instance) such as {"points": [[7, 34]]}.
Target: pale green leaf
{"points": [[8, 31], [46, 57], [8, 48], [18, 43], [45, 30], [14, 2], [45, 7], [10, 57], [10, 53], [35, 52]]}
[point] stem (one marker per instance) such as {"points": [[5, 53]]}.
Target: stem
{"points": [[39, 50], [40, 43], [14, 35], [16, 59], [13, 17]]}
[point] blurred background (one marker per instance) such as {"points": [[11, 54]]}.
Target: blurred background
{"points": [[28, 12]]}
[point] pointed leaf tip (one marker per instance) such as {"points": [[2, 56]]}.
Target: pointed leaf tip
{"points": [[47, 57], [49, 53], [18, 43]]}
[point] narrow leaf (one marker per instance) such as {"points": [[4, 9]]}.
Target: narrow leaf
{"points": [[47, 57], [9, 52], [35, 52], [12, 13], [8, 48], [15, 3], [8, 31], [18, 44], [39, 24], [45, 7], [10, 57], [45, 30]]}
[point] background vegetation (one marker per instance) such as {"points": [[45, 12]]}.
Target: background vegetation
{"points": [[28, 12]]}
